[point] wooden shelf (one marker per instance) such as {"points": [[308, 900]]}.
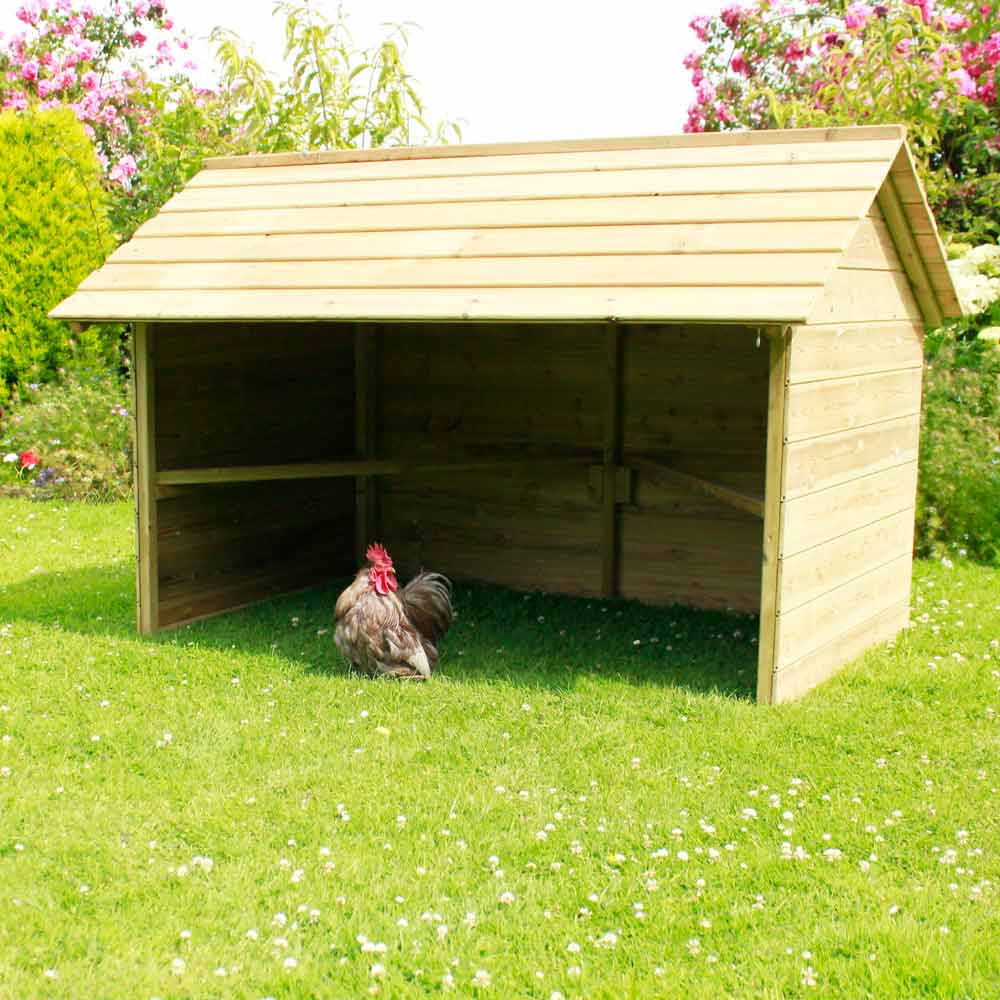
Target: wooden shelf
{"points": [[358, 467], [657, 469]]}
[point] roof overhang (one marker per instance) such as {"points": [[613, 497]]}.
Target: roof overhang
{"points": [[739, 227]]}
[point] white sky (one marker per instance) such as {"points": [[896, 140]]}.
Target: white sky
{"points": [[516, 69]]}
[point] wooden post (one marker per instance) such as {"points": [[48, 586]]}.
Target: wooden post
{"points": [[365, 435], [144, 466], [777, 395], [612, 458]]}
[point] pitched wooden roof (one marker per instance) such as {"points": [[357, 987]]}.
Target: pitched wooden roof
{"points": [[738, 226]]}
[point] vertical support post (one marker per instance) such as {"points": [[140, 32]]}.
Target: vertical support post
{"points": [[365, 435], [777, 396], [144, 470], [612, 458]]}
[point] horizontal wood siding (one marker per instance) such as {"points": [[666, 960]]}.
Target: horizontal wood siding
{"points": [[222, 547], [697, 399], [244, 395], [852, 436], [455, 392], [250, 394], [692, 396]]}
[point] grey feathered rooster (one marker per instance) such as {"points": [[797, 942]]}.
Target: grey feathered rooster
{"points": [[385, 633]]}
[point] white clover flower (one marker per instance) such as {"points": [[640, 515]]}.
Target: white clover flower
{"points": [[482, 978], [507, 898]]}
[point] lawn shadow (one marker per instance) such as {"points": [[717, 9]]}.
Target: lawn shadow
{"points": [[534, 640]]}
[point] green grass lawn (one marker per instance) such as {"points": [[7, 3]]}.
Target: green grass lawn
{"points": [[584, 802]]}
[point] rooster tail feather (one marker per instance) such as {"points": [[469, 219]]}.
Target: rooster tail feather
{"points": [[427, 603]]}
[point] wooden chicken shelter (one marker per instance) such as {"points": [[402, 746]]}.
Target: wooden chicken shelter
{"points": [[683, 369]]}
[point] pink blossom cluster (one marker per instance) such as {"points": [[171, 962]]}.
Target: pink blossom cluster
{"points": [[71, 55], [802, 52]]}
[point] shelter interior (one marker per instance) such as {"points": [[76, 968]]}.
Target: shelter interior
{"points": [[615, 459]]}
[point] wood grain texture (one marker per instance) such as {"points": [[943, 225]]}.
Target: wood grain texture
{"points": [[553, 184], [736, 303], [820, 463], [561, 241], [808, 575], [145, 469], [770, 564], [830, 406], [844, 350], [226, 546], [802, 676], [708, 140], [818, 517], [612, 444], [494, 219], [807, 628], [568, 161]]}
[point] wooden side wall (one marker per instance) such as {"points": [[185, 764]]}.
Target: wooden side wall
{"points": [[695, 397], [849, 469], [250, 395]]}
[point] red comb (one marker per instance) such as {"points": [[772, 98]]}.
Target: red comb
{"points": [[376, 554]]}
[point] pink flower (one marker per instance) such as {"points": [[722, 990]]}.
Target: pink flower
{"points": [[64, 80], [705, 92], [90, 80], [955, 22], [732, 16], [794, 53], [966, 85], [858, 15], [86, 51], [70, 59], [695, 119], [29, 70], [699, 25], [28, 459], [926, 8], [15, 100], [141, 8], [86, 12], [45, 87], [739, 64], [137, 39], [26, 14], [723, 113]]}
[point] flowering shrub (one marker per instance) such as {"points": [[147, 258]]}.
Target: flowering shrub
{"points": [[53, 233], [93, 62], [68, 439], [932, 66], [125, 74]]}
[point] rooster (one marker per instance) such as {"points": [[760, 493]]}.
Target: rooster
{"points": [[389, 634]]}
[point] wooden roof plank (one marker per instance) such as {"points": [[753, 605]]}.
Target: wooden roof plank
{"points": [[776, 177], [764, 237], [595, 271], [733, 304], [790, 206], [568, 162], [704, 139]]}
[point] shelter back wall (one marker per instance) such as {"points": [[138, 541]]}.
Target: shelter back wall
{"points": [[693, 396]]}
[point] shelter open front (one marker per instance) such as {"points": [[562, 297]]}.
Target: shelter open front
{"points": [[579, 459], [672, 368]]}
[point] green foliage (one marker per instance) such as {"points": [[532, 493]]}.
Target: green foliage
{"points": [[958, 500], [336, 96], [79, 429], [53, 233]]}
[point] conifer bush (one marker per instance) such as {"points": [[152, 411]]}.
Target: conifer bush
{"points": [[53, 233]]}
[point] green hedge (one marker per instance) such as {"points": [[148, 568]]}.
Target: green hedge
{"points": [[958, 500], [53, 233]]}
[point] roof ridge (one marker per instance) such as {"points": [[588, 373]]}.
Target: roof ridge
{"points": [[682, 140]]}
